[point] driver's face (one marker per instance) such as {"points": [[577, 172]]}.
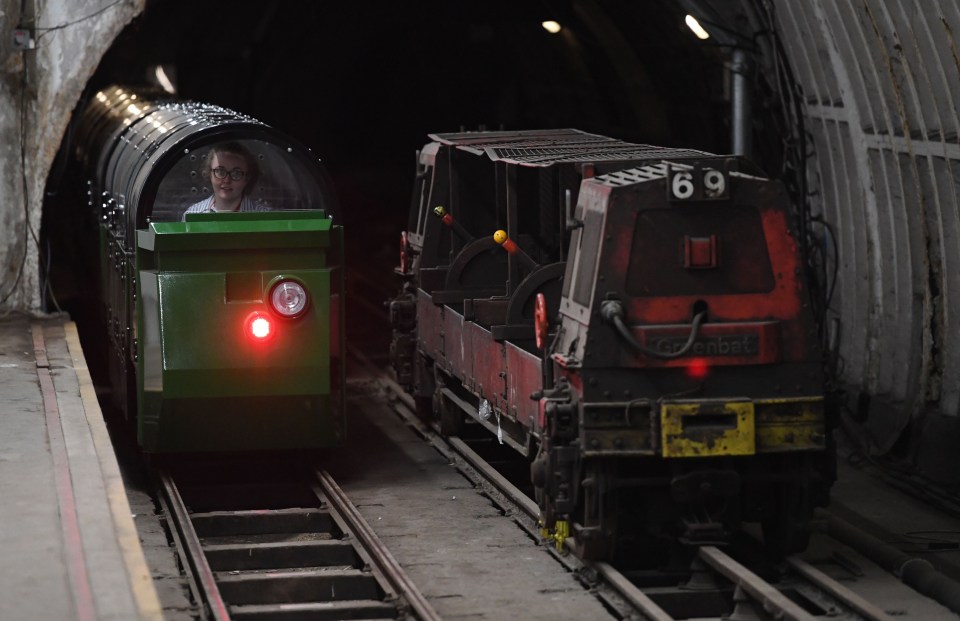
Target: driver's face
{"points": [[228, 189]]}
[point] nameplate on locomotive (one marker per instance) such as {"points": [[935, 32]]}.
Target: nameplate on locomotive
{"points": [[725, 345]]}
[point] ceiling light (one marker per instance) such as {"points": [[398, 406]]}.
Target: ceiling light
{"points": [[164, 80], [551, 26], [695, 26]]}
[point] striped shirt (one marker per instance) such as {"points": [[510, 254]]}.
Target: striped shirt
{"points": [[246, 204]]}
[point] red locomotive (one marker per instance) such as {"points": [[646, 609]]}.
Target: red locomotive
{"points": [[652, 350]]}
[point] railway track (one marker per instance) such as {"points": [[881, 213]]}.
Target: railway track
{"points": [[718, 586], [284, 547], [715, 586]]}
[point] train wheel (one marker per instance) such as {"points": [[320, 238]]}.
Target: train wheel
{"points": [[597, 530], [539, 475], [425, 388], [451, 418], [128, 400], [547, 519], [787, 531], [424, 409]]}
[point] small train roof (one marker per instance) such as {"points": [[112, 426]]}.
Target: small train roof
{"points": [[552, 146]]}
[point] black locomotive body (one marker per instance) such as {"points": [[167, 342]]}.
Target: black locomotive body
{"points": [[651, 350]]}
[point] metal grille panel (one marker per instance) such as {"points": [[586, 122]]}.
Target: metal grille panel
{"points": [[882, 84]]}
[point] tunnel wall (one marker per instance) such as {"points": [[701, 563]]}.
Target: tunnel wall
{"points": [[881, 80], [38, 91]]}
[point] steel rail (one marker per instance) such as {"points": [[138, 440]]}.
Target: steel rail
{"points": [[617, 581], [837, 590], [753, 585], [631, 593], [379, 553], [756, 587], [505, 487], [192, 549]]}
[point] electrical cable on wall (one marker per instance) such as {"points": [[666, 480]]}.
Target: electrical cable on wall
{"points": [[44, 31]]}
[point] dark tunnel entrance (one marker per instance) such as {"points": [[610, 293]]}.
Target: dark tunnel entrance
{"points": [[362, 84]]}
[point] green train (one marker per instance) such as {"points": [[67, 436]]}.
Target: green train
{"points": [[220, 276]]}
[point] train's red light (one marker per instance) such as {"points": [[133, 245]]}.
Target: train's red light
{"points": [[258, 327], [698, 369]]}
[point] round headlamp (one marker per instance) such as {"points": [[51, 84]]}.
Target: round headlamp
{"points": [[288, 298]]}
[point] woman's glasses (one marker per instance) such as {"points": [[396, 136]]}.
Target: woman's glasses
{"points": [[222, 173]]}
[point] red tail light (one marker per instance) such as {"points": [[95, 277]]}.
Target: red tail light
{"points": [[698, 369], [258, 327]]}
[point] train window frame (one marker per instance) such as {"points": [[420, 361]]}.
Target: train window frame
{"points": [[582, 269], [424, 183], [585, 281], [285, 183]]}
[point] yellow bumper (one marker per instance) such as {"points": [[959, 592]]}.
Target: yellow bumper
{"points": [[715, 427], [706, 428]]}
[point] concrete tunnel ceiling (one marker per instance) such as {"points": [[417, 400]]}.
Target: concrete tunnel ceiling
{"points": [[877, 83], [362, 80]]}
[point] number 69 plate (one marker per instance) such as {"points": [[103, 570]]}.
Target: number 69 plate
{"points": [[696, 183]]}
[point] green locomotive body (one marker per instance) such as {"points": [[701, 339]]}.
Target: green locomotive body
{"points": [[225, 329], [204, 381]]}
